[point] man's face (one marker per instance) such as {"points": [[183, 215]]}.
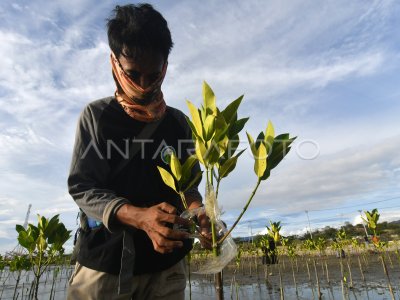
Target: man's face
{"points": [[145, 69]]}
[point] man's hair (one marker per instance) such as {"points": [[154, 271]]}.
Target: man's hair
{"points": [[134, 29]]}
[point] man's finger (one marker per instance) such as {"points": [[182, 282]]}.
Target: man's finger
{"points": [[173, 219], [204, 223], [166, 207], [166, 243], [173, 234]]}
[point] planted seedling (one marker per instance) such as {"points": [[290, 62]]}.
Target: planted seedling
{"points": [[44, 244]]}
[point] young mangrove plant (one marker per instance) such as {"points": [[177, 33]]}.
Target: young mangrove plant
{"points": [[216, 139], [273, 238], [372, 218], [44, 244]]}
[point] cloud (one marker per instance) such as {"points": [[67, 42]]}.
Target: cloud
{"points": [[320, 183], [55, 60], [267, 56]]}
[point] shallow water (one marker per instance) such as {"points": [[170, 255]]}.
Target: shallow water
{"points": [[261, 291], [204, 289], [8, 281]]}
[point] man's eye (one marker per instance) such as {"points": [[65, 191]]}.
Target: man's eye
{"points": [[134, 75], [154, 77]]}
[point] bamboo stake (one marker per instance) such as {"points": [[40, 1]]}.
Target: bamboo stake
{"points": [[294, 277], [327, 273], [237, 290], [317, 278], [390, 259], [361, 269], [343, 293], [219, 286], [280, 284], [308, 271], [387, 276], [342, 273], [15, 296], [52, 284], [232, 281], [350, 274], [250, 268]]}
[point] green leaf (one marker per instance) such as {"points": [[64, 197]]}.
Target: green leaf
{"points": [[176, 167], [167, 178], [193, 129], [52, 227], [42, 244], [223, 146], [203, 112], [213, 154], [195, 118], [187, 168], [229, 165], [230, 150], [209, 127], [201, 151], [260, 164], [237, 127], [266, 173], [19, 228], [33, 231], [26, 241], [260, 139], [209, 98], [269, 136], [221, 127], [42, 223], [230, 112], [252, 144], [280, 149]]}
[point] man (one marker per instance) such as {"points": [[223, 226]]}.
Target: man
{"points": [[128, 247]]}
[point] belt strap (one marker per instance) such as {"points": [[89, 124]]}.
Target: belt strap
{"points": [[127, 264]]}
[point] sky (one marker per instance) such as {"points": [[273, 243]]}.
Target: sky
{"points": [[324, 71]]}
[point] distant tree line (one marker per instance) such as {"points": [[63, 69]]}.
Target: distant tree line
{"points": [[388, 231]]}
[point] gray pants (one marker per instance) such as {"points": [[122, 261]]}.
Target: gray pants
{"points": [[88, 284]]}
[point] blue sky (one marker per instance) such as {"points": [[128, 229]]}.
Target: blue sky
{"points": [[327, 72]]}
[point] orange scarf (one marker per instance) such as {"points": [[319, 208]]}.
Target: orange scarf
{"points": [[146, 105]]}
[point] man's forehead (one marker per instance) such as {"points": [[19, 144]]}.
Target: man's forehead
{"points": [[135, 54], [149, 61]]}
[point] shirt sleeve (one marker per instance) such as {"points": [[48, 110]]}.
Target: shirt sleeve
{"points": [[89, 172]]}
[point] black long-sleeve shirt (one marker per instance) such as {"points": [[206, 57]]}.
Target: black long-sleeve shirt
{"points": [[104, 134]]}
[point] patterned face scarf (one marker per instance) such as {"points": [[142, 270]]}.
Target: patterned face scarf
{"points": [[146, 105]]}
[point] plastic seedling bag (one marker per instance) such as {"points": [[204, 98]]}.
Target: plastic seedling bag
{"points": [[227, 250]]}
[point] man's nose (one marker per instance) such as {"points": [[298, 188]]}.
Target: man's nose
{"points": [[144, 82]]}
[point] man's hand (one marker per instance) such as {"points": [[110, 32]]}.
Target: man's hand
{"points": [[203, 223], [205, 230], [153, 221]]}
